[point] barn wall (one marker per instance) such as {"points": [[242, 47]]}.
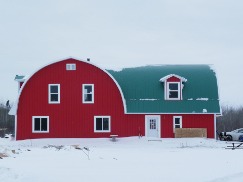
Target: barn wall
{"points": [[73, 119]]}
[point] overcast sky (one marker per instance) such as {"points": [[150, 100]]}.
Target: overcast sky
{"points": [[123, 33]]}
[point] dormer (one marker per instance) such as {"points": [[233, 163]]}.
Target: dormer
{"points": [[20, 79], [173, 85]]}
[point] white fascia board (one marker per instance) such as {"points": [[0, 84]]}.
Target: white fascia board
{"points": [[171, 75]]}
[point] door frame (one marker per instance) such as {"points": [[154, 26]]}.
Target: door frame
{"points": [[159, 124]]}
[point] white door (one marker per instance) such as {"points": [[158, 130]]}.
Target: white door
{"points": [[152, 126]]}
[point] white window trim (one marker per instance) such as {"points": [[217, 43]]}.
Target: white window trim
{"points": [[70, 67], [102, 131], [49, 94], [33, 121], [83, 92], [174, 117], [168, 91]]}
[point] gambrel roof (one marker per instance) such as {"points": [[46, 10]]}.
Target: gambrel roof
{"points": [[144, 92]]}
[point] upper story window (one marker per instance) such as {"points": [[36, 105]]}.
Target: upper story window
{"points": [[54, 93], [173, 91], [173, 85], [70, 66], [88, 93]]}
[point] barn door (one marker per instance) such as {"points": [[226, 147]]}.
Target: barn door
{"points": [[152, 123]]}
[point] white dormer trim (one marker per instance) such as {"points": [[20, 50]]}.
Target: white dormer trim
{"points": [[173, 75]]}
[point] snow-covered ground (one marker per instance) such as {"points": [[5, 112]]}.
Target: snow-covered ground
{"points": [[127, 160]]}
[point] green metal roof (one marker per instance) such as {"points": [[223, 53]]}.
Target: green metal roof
{"points": [[144, 93]]}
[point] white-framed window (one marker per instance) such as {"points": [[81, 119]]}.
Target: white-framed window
{"points": [[177, 122], [173, 91], [54, 93], [102, 124], [70, 66], [40, 124], [88, 93]]}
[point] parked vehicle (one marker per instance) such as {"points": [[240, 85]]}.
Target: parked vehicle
{"points": [[233, 135]]}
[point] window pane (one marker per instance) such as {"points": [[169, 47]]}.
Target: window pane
{"points": [[177, 120], [54, 97], [88, 89], [153, 124], [177, 126], [105, 123], [73, 67], [88, 97], [37, 124], [70, 66], [43, 124], [98, 123], [173, 86], [54, 89], [173, 94]]}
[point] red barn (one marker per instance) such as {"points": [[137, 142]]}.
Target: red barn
{"points": [[77, 99]]}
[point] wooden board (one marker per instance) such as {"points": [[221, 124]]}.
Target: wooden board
{"points": [[190, 132]]}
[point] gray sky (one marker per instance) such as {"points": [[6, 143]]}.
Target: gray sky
{"points": [[123, 33]]}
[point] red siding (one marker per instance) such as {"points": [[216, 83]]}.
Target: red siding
{"points": [[173, 79], [73, 119], [188, 121]]}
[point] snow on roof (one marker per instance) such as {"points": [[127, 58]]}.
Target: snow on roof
{"points": [[148, 99], [202, 99], [172, 75]]}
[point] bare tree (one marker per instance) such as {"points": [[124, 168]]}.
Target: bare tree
{"points": [[232, 119], [6, 121]]}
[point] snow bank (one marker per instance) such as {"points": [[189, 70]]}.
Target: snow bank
{"points": [[129, 159]]}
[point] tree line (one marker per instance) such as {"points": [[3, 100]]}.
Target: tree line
{"points": [[231, 119], [6, 121]]}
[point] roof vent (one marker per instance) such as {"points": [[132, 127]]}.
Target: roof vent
{"points": [[88, 59]]}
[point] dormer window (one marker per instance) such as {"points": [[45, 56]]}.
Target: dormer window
{"points": [[173, 86], [173, 91]]}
